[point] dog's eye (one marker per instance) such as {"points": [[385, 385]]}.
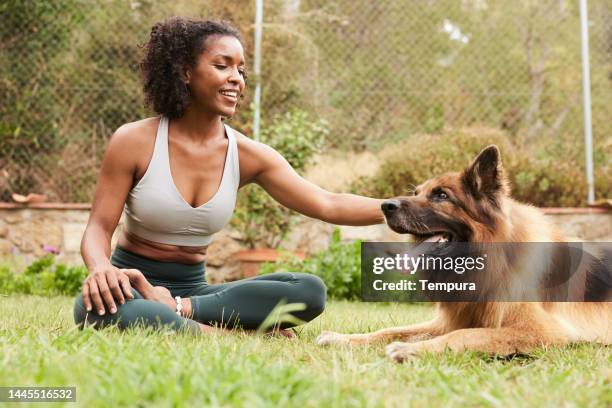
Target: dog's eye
{"points": [[440, 195]]}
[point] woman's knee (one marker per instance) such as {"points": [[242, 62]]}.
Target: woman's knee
{"points": [[137, 312], [313, 291], [81, 315], [79, 312]]}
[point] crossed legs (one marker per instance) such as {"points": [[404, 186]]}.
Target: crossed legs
{"points": [[244, 303]]}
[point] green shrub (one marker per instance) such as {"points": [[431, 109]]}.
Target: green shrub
{"points": [[7, 280], [297, 136], [339, 267], [546, 174], [40, 265], [43, 277], [69, 280], [260, 219]]}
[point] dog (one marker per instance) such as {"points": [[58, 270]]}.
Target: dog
{"points": [[474, 205]]}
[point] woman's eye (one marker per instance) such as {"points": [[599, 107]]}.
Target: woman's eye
{"points": [[220, 66]]}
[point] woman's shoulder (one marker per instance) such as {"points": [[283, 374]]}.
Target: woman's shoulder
{"points": [[133, 137], [250, 146], [137, 132], [254, 156]]}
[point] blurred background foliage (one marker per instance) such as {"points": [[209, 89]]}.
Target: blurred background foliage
{"points": [[424, 84], [43, 277], [544, 174]]}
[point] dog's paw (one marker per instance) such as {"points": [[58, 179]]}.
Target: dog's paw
{"points": [[400, 352], [327, 338]]}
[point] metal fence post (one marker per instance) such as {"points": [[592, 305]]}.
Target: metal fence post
{"points": [[257, 67], [586, 89]]}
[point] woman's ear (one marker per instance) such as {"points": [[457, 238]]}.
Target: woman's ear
{"points": [[187, 74]]}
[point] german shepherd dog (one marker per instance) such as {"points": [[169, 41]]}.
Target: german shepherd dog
{"points": [[474, 206]]}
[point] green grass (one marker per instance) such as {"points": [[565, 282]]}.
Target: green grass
{"points": [[40, 346]]}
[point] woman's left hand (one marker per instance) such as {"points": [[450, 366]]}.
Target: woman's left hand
{"points": [[156, 293], [162, 295]]}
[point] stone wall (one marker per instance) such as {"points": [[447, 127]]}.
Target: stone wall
{"points": [[30, 232]]}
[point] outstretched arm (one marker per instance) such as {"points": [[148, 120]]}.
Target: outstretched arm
{"points": [[287, 187]]}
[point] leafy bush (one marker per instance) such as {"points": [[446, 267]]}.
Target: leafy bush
{"points": [[339, 266], [546, 175], [7, 280], [297, 137], [43, 277]]}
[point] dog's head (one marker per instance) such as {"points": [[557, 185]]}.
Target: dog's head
{"points": [[459, 207]]}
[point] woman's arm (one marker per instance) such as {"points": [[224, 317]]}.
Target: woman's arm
{"points": [[105, 284], [287, 187]]}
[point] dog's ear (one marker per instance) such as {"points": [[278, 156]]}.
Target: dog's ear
{"points": [[485, 175]]}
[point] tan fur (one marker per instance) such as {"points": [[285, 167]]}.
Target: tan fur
{"points": [[501, 328]]}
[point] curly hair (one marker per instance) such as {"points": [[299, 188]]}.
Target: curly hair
{"points": [[172, 45]]}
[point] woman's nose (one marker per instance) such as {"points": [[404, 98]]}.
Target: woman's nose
{"points": [[236, 77]]}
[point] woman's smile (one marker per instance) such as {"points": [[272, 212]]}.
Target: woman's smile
{"points": [[230, 95]]}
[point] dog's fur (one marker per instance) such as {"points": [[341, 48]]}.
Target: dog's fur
{"points": [[474, 206]]}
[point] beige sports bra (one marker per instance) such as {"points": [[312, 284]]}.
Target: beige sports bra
{"points": [[156, 211]]}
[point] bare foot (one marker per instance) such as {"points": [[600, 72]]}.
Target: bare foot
{"points": [[204, 328], [288, 333]]}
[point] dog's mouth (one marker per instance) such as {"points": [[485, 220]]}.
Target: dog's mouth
{"points": [[432, 236], [425, 233]]}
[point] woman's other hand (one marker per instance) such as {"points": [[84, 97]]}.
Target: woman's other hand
{"points": [[162, 295], [156, 293]]}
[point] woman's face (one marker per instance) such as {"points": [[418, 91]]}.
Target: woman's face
{"points": [[217, 80]]}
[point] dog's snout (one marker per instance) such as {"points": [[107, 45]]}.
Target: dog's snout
{"points": [[390, 206]]}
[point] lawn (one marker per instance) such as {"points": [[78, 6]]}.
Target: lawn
{"points": [[41, 346]]}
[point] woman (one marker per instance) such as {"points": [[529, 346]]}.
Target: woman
{"points": [[177, 176]]}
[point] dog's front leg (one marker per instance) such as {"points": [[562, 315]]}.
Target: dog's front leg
{"points": [[414, 332], [500, 341]]}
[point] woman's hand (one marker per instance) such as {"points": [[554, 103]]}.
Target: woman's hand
{"points": [[148, 291], [163, 295], [106, 285]]}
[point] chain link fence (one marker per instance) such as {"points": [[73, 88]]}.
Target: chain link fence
{"points": [[378, 72], [391, 68]]}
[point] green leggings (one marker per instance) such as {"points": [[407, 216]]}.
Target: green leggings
{"points": [[244, 303]]}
